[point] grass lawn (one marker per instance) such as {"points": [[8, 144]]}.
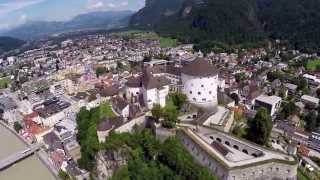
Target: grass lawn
{"points": [[302, 176], [4, 83], [106, 111], [136, 34], [167, 42], [313, 65]]}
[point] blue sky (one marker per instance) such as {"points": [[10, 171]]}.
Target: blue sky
{"points": [[17, 12]]}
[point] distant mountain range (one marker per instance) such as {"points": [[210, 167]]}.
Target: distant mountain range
{"points": [[9, 43], [95, 20], [234, 21]]}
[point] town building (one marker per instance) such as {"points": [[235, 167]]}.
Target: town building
{"points": [[271, 103]]}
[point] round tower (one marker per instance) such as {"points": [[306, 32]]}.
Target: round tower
{"points": [[200, 84]]}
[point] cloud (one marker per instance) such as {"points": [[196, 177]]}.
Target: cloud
{"points": [[100, 5], [95, 4], [125, 3], [15, 5]]}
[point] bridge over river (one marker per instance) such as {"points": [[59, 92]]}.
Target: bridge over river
{"points": [[12, 159]]}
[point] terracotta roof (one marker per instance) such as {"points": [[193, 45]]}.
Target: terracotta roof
{"points": [[199, 67]]}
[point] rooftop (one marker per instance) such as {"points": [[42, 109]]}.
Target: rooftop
{"points": [[269, 99], [199, 67], [233, 152]]}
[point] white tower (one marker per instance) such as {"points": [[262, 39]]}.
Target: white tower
{"points": [[200, 84]]}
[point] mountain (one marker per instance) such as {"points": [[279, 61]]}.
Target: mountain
{"points": [[234, 22], [94, 20], [8, 43]]}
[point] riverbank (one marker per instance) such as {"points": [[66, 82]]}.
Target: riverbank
{"points": [[42, 157]]}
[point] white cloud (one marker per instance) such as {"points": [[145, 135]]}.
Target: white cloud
{"points": [[92, 4], [15, 5], [102, 5], [125, 3], [111, 5]]}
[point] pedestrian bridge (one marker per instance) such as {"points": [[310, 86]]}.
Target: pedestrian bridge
{"points": [[12, 159]]}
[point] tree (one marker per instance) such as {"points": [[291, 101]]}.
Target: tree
{"points": [[17, 127], [289, 108], [63, 175], [240, 77], [311, 121], [318, 92], [100, 71], [157, 111], [178, 99], [170, 117], [260, 127], [236, 98]]}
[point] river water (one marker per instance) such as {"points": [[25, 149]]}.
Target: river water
{"points": [[30, 168]]}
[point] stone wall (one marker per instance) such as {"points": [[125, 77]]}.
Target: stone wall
{"points": [[265, 171]]}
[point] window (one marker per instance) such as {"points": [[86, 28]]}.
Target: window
{"points": [[194, 99], [245, 151], [210, 92], [202, 85], [219, 140], [227, 143], [190, 92], [236, 147], [199, 93], [277, 169], [204, 99], [211, 137]]}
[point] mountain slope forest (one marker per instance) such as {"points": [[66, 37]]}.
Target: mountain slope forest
{"points": [[296, 22]]}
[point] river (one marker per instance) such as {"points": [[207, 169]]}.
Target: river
{"points": [[30, 168]]}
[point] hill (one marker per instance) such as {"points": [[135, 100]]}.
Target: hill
{"points": [[94, 20], [234, 22], [8, 43]]}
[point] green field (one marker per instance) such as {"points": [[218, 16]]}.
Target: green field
{"points": [[167, 42], [4, 82], [313, 65], [136, 34], [302, 176]]}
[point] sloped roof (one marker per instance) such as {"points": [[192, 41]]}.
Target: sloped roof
{"points": [[199, 67]]}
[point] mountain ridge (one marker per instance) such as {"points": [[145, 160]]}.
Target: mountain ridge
{"points": [[101, 19], [234, 22]]}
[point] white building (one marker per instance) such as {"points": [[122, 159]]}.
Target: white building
{"points": [[271, 103], [200, 84], [152, 89], [310, 100]]}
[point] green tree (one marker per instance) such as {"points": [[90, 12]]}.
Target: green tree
{"points": [[289, 108], [260, 127], [240, 77], [178, 99], [157, 111], [17, 127], [170, 117], [311, 121], [100, 71], [63, 175]]}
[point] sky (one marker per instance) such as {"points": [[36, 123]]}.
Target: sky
{"points": [[16, 12]]}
